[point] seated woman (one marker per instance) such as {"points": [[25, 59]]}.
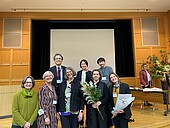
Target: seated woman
{"points": [[25, 105]]}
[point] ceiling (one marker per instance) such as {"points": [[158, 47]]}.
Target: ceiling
{"points": [[84, 5]]}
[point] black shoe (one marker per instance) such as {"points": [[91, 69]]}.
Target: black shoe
{"points": [[149, 104]]}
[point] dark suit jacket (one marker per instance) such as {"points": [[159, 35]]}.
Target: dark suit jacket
{"points": [[76, 100], [124, 89], [53, 70], [88, 76]]}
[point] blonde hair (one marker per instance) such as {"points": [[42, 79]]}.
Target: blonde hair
{"points": [[47, 73]]}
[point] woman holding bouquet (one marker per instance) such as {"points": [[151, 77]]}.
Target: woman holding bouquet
{"points": [[120, 117], [96, 111]]}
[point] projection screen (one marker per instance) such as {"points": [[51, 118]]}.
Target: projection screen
{"points": [[78, 44]]}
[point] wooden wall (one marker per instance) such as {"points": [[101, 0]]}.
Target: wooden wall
{"points": [[15, 62]]}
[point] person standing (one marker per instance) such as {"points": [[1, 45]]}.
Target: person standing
{"points": [[25, 105], [120, 118], [59, 71], [145, 80], [47, 117], [84, 75], [145, 76], [104, 70], [70, 100], [94, 119]]}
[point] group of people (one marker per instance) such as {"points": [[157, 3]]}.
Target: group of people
{"points": [[61, 98]]}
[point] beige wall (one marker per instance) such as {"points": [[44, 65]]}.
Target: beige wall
{"points": [[15, 62]]}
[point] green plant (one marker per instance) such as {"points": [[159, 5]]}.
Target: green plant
{"points": [[159, 67]]}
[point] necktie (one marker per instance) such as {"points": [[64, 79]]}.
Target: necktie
{"points": [[59, 73]]}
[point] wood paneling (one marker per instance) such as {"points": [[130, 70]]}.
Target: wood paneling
{"points": [[20, 56], [162, 40], [26, 41], [129, 80], [1, 25], [6, 96], [5, 72], [5, 57], [19, 71], [142, 54], [38, 84], [138, 39], [161, 28], [25, 26], [137, 25]]}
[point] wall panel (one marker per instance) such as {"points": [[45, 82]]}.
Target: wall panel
{"points": [[6, 96], [5, 56], [25, 26], [5, 72], [161, 25], [20, 56], [137, 25], [138, 39], [19, 71], [25, 41], [142, 54]]}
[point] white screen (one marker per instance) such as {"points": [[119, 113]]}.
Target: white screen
{"points": [[78, 44]]}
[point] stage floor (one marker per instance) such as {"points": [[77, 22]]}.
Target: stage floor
{"points": [[144, 118]]}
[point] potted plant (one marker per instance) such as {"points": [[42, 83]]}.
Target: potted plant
{"points": [[160, 68]]}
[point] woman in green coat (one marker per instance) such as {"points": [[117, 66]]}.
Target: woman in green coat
{"points": [[25, 105]]}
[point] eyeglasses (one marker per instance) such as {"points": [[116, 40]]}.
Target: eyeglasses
{"points": [[58, 58], [28, 82]]}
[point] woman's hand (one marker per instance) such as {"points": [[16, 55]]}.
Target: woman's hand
{"points": [[27, 125], [58, 116], [114, 113], [47, 121], [80, 116], [96, 105], [120, 111]]}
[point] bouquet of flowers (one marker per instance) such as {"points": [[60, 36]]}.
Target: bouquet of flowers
{"points": [[92, 94]]}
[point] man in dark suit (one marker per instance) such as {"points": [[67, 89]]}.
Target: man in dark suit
{"points": [[58, 70]]}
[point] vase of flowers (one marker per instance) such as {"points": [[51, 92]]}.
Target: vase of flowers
{"points": [[160, 68]]}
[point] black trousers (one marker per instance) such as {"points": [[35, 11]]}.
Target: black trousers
{"points": [[69, 121], [94, 119], [120, 122]]}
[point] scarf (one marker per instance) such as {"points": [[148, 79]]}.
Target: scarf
{"points": [[29, 94]]}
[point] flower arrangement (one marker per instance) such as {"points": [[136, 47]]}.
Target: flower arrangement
{"points": [[92, 94], [159, 68]]}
